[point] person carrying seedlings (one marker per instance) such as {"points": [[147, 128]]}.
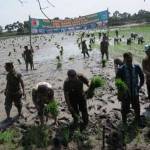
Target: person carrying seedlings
{"points": [[130, 74], [28, 57], [146, 68], [84, 48], [14, 90], [75, 97], [42, 95], [104, 48]]}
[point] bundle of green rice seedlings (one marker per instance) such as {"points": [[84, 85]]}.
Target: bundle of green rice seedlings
{"points": [[121, 86], [59, 65], [103, 63], [52, 108], [96, 82], [7, 136], [66, 135]]}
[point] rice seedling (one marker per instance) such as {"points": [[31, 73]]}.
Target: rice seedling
{"points": [[78, 137], [7, 136], [66, 134], [52, 108], [39, 136], [103, 63], [59, 65], [138, 137], [121, 86], [96, 82]]}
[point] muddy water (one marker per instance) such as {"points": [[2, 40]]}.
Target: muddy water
{"points": [[50, 51]]}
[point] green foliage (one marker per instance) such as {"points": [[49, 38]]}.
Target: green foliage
{"points": [[78, 136], [97, 82], [7, 136], [39, 136], [66, 135], [59, 65], [104, 62], [121, 85], [138, 137], [52, 108]]}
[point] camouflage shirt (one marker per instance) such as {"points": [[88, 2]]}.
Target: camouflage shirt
{"points": [[75, 87], [13, 82]]}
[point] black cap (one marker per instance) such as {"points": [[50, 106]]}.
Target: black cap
{"points": [[71, 73]]}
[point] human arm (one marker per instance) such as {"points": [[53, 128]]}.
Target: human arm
{"points": [[22, 85], [141, 76], [66, 95], [83, 79], [5, 92], [145, 70]]}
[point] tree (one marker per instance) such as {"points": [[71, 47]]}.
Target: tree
{"points": [[9, 27], [116, 14], [1, 29], [56, 18]]}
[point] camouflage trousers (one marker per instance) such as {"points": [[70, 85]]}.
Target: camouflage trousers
{"points": [[13, 98]]}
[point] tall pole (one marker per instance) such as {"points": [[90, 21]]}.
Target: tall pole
{"points": [[30, 33], [108, 21]]}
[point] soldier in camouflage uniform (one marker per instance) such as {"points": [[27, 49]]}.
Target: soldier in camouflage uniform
{"points": [[28, 57], [13, 90], [75, 97], [132, 75]]}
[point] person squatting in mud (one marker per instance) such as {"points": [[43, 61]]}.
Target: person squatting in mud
{"points": [[28, 57], [43, 94], [75, 97], [130, 74], [14, 90], [146, 68]]}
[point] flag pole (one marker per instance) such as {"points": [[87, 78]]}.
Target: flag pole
{"points": [[30, 30], [108, 21]]}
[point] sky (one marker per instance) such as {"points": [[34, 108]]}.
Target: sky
{"points": [[12, 10]]}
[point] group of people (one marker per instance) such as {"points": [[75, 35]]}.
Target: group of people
{"points": [[43, 93], [104, 44]]}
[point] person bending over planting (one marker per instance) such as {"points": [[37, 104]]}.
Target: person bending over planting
{"points": [[75, 97], [43, 99], [130, 74]]}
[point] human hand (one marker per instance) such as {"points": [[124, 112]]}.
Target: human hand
{"points": [[71, 109], [5, 92], [24, 95]]}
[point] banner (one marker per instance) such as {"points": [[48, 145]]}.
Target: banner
{"points": [[91, 21]]}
